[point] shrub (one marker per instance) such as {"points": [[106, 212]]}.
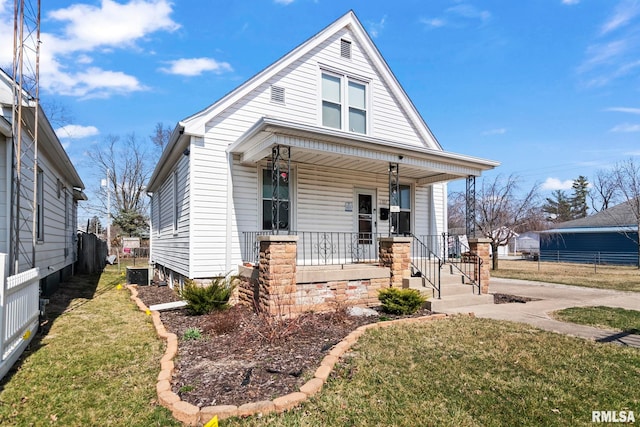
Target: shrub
{"points": [[220, 323], [400, 301], [205, 299], [192, 334]]}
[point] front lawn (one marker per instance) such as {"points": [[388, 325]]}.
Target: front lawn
{"points": [[602, 317], [96, 365], [470, 372], [618, 277]]}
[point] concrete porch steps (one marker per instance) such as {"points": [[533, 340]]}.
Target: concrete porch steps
{"points": [[453, 292]]}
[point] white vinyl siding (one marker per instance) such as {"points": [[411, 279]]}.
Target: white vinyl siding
{"points": [[224, 197], [170, 213], [5, 203]]}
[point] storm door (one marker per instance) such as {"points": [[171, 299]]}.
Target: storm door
{"points": [[365, 243]]}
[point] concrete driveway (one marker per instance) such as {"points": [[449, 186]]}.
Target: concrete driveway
{"points": [[551, 297]]}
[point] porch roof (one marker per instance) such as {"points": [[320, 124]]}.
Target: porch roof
{"points": [[328, 147]]}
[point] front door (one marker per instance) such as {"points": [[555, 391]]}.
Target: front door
{"points": [[366, 223]]}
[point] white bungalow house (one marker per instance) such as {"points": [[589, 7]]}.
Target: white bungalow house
{"points": [[38, 243], [333, 126]]}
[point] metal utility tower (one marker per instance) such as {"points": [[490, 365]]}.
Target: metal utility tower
{"points": [[25, 121]]}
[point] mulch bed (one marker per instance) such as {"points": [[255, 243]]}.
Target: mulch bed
{"points": [[507, 299], [246, 357]]}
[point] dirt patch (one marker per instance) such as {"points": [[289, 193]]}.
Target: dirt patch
{"points": [[245, 357], [507, 299]]}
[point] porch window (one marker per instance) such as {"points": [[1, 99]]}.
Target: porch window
{"points": [[267, 200], [341, 90], [403, 225]]}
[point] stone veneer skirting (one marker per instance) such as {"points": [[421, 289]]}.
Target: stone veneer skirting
{"points": [[194, 416]]}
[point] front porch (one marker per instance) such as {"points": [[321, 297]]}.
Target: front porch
{"points": [[289, 276]]}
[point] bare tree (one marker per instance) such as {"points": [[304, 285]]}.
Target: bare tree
{"points": [[501, 212], [161, 136], [603, 190], [627, 179], [126, 167], [456, 207]]}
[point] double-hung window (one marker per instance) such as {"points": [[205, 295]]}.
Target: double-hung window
{"points": [[344, 103], [269, 207]]}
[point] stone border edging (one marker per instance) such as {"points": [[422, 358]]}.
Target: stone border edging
{"points": [[193, 416]]}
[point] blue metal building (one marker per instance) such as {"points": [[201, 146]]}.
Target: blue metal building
{"points": [[607, 237]]}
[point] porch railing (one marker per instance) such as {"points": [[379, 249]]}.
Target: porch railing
{"points": [[426, 264], [321, 247]]}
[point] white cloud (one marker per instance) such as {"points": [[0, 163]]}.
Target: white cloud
{"points": [[498, 131], [196, 66], [570, 2], [630, 110], [623, 14], [76, 131], [434, 22], [626, 127], [458, 16], [66, 55], [284, 2], [556, 184], [376, 27], [111, 24]]}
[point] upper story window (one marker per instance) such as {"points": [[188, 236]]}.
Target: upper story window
{"points": [[344, 103]]}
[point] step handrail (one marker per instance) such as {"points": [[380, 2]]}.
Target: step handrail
{"points": [[465, 261], [426, 264]]}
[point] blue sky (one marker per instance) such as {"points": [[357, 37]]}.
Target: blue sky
{"points": [[550, 88]]}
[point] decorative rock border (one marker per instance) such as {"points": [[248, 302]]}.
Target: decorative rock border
{"points": [[193, 416]]}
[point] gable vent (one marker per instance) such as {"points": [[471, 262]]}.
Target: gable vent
{"points": [[277, 94], [345, 49]]}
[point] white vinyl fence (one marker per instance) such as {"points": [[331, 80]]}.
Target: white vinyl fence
{"points": [[19, 312]]}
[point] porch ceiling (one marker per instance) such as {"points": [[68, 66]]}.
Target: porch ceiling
{"points": [[326, 147]]}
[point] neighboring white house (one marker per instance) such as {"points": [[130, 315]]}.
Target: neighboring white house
{"points": [[337, 121], [32, 262]]}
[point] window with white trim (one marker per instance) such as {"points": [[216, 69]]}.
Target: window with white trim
{"points": [[40, 206], [339, 91], [175, 202], [403, 225], [267, 200]]}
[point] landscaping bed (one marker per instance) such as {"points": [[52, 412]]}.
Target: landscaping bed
{"points": [[243, 357]]}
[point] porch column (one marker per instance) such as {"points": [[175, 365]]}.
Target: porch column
{"points": [[481, 246], [277, 274], [395, 253]]}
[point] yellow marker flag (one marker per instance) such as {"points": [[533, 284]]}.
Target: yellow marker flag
{"points": [[213, 422]]}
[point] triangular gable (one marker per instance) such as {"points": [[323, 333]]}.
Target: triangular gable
{"points": [[195, 124]]}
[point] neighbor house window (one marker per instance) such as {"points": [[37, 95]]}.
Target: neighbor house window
{"points": [[40, 206], [267, 200], [341, 90]]}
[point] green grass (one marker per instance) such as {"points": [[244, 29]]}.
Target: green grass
{"points": [[602, 317], [96, 365], [617, 277], [470, 372]]}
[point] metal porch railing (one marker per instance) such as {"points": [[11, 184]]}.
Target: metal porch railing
{"points": [[460, 257], [321, 247], [426, 264]]}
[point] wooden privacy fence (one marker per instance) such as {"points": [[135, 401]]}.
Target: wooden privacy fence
{"points": [[19, 312], [92, 254]]}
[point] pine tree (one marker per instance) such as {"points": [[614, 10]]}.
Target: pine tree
{"points": [[558, 207], [579, 206]]}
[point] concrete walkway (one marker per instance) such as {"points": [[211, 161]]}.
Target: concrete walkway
{"points": [[552, 297]]}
